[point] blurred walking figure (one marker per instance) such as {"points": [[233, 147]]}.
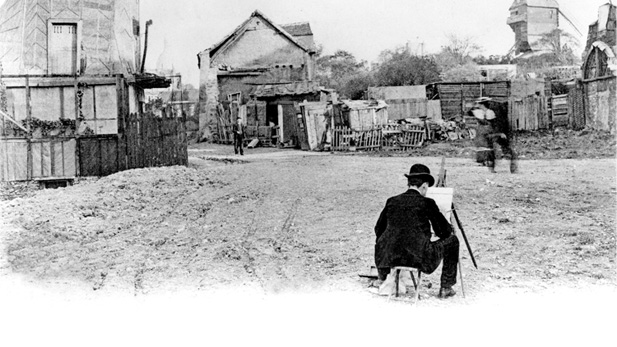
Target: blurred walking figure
{"points": [[238, 129], [493, 128]]}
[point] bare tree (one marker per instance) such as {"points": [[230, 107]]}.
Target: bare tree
{"points": [[456, 59], [561, 45], [458, 51]]}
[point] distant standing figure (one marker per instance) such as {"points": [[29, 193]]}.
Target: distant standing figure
{"points": [[238, 129], [493, 128]]}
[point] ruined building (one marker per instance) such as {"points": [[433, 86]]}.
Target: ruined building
{"points": [[599, 84], [260, 61]]}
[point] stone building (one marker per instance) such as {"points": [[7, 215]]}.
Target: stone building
{"points": [[257, 53], [599, 84]]}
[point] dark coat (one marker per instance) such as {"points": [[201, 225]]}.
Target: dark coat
{"points": [[403, 232], [238, 130]]}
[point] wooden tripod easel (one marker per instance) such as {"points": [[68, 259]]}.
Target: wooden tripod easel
{"points": [[441, 182]]}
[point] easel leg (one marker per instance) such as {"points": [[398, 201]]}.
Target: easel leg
{"points": [[460, 266], [460, 271]]}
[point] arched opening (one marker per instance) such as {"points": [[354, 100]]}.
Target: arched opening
{"points": [[596, 64]]}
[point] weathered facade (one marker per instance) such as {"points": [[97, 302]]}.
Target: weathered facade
{"points": [[530, 19], [72, 70], [599, 84], [259, 52], [55, 37]]}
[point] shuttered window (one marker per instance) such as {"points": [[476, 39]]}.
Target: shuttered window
{"points": [[63, 49]]}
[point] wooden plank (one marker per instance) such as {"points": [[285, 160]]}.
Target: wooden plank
{"points": [[77, 126], [57, 162], [13, 160], [36, 149], [89, 156], [68, 156], [109, 153], [46, 82], [29, 136]]}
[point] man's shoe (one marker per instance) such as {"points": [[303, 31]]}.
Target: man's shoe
{"points": [[377, 283], [446, 293]]}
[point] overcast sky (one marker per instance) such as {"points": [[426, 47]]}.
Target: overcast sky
{"points": [[362, 27]]}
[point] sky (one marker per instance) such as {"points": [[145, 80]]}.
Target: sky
{"points": [[363, 27]]}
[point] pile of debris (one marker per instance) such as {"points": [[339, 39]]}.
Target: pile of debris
{"points": [[440, 130]]}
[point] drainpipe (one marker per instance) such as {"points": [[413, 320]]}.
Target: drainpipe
{"points": [[143, 59]]}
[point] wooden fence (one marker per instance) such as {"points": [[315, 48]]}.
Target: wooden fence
{"points": [[143, 141], [382, 138], [558, 105], [528, 113]]}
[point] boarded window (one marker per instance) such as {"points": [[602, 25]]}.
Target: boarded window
{"points": [[63, 49]]}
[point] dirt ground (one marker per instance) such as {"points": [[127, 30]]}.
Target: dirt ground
{"points": [[270, 245]]}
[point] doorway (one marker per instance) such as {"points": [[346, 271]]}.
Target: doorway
{"points": [[62, 49]]}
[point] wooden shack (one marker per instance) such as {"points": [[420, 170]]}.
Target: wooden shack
{"points": [[526, 100], [259, 58], [362, 114], [71, 74]]}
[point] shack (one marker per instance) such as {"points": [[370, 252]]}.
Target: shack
{"points": [[361, 114], [73, 79], [406, 102], [526, 100], [259, 64]]}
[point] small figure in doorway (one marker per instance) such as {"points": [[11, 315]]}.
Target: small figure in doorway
{"points": [[238, 129]]}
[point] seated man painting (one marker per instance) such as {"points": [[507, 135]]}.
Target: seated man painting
{"points": [[403, 233]]}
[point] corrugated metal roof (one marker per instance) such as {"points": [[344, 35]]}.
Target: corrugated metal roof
{"points": [[294, 88], [298, 29]]}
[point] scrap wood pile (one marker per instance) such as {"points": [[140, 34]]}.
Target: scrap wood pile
{"points": [[440, 130], [224, 128], [451, 131]]}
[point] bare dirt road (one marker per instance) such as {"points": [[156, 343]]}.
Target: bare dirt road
{"points": [[275, 240]]}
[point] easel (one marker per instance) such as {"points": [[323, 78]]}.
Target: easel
{"points": [[441, 183]]}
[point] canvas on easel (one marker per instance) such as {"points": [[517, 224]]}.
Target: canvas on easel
{"points": [[443, 197]]}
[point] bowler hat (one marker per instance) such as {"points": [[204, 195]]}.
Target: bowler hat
{"points": [[421, 171]]}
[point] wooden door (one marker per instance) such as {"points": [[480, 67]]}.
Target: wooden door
{"points": [[301, 131], [63, 49]]}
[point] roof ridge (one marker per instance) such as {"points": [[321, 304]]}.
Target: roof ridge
{"points": [[277, 27], [294, 23]]}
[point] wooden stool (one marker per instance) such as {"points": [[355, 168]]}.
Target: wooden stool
{"points": [[398, 269]]}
